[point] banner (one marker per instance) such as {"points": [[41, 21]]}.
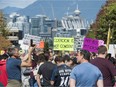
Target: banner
{"points": [[65, 44], [92, 44]]}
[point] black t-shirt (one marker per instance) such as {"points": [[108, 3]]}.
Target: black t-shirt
{"points": [[46, 70], [60, 76]]}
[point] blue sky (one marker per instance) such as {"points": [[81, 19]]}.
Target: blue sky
{"points": [[24, 3], [88, 8], [15, 3]]}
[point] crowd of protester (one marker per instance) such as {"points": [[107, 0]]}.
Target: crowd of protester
{"points": [[56, 69]]}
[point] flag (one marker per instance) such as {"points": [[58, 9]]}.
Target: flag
{"points": [[108, 38]]}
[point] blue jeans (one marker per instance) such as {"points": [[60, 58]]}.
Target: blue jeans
{"points": [[32, 81], [35, 84]]}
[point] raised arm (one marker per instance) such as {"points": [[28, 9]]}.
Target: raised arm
{"points": [[28, 62]]}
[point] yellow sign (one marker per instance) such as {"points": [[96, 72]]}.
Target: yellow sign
{"points": [[61, 43]]}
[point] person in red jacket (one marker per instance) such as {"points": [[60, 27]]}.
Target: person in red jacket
{"points": [[3, 72]]}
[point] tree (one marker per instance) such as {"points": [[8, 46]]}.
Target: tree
{"points": [[46, 46], [4, 31], [91, 33], [106, 17], [4, 43]]}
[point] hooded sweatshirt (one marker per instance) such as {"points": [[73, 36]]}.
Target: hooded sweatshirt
{"points": [[3, 73]]}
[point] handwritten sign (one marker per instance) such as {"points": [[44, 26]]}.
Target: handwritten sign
{"points": [[27, 38], [92, 44], [101, 42], [66, 44]]}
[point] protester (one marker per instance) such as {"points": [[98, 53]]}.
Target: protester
{"points": [[105, 66], [67, 60], [35, 66], [85, 74], [108, 56], [74, 63], [112, 60], [14, 65], [3, 72], [60, 75], [93, 55], [40, 60], [45, 70]]}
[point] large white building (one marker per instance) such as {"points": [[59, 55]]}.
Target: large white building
{"points": [[75, 22], [74, 26]]}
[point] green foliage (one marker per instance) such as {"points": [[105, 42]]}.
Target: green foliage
{"points": [[46, 46], [4, 43], [106, 17], [4, 31], [91, 33]]}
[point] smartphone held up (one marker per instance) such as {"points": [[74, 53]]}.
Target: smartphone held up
{"points": [[31, 43]]}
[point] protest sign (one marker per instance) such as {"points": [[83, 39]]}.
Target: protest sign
{"points": [[101, 42], [27, 38], [92, 44], [65, 44], [40, 45]]}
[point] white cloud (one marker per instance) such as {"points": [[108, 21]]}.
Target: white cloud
{"points": [[15, 3]]}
